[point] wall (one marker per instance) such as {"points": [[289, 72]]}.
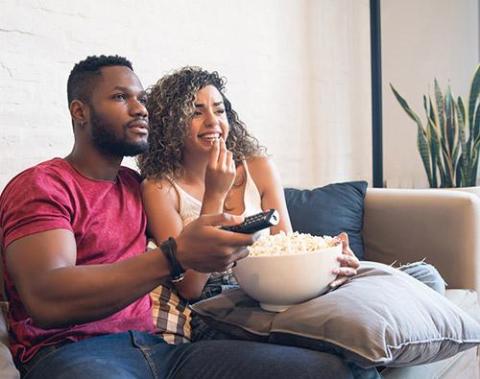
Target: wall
{"points": [[340, 90], [422, 40], [298, 72]]}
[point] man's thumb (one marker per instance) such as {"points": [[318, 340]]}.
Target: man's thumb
{"points": [[222, 219]]}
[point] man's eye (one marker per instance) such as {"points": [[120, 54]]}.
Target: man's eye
{"points": [[119, 96], [143, 100]]}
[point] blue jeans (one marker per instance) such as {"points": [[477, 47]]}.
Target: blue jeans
{"points": [[427, 274], [141, 356]]}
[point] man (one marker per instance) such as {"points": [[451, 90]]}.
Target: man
{"points": [[77, 275]]}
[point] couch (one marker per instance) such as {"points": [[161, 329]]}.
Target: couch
{"points": [[402, 225], [405, 225]]}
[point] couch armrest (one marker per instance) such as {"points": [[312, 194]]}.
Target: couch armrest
{"points": [[407, 225]]}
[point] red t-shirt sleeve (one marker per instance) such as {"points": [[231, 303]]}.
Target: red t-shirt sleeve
{"points": [[34, 202]]}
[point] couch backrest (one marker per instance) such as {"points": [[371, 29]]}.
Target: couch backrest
{"points": [[442, 226]]}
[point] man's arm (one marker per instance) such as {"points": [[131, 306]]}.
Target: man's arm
{"points": [[56, 292]]}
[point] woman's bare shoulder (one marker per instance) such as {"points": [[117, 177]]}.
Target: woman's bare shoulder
{"points": [[260, 165], [159, 188]]}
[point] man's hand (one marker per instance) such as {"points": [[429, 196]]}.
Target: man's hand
{"points": [[348, 262], [220, 173], [204, 247]]}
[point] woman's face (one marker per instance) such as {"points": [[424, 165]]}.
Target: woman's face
{"points": [[209, 121]]}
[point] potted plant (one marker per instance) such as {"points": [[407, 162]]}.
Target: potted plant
{"points": [[449, 140]]}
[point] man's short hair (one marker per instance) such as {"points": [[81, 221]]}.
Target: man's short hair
{"points": [[86, 72]]}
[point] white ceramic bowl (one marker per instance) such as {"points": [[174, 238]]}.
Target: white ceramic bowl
{"points": [[279, 281]]}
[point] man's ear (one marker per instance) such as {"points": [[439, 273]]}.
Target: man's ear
{"points": [[79, 112]]}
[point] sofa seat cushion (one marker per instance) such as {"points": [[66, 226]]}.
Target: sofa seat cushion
{"points": [[381, 317]]}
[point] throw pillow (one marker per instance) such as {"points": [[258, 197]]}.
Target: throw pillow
{"points": [[381, 317], [329, 210]]}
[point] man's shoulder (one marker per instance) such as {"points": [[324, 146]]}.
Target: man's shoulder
{"points": [[129, 174], [54, 168], [41, 184]]}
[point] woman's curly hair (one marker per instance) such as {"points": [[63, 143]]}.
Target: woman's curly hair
{"points": [[171, 106]]}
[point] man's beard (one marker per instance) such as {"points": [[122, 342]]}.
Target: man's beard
{"points": [[105, 139]]}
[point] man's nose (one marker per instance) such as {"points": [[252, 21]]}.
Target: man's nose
{"points": [[138, 108]]}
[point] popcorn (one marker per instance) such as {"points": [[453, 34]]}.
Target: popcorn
{"points": [[291, 243]]}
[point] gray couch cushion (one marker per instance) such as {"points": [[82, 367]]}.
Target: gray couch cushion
{"points": [[381, 317]]}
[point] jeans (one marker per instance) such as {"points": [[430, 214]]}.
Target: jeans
{"points": [[427, 274], [142, 356]]}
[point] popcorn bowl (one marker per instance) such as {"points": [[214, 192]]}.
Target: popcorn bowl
{"points": [[280, 281]]}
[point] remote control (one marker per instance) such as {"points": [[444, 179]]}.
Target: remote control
{"points": [[256, 222]]}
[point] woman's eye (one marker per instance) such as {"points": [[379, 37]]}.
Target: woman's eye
{"points": [[197, 113], [220, 111]]}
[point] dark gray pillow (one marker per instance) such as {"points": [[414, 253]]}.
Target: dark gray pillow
{"points": [[329, 210], [381, 317]]}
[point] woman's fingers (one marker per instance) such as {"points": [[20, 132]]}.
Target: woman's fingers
{"points": [[222, 155], [348, 260], [338, 282], [214, 154], [345, 271]]}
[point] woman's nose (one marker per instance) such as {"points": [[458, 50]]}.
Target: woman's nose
{"points": [[211, 118]]}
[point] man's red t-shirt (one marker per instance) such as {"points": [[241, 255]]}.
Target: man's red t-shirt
{"points": [[109, 224]]}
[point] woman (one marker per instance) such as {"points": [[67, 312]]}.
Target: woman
{"points": [[202, 160]]}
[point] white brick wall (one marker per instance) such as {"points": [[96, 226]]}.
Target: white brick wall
{"points": [[298, 72]]}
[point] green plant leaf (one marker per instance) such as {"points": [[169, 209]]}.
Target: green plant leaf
{"points": [[405, 105], [449, 127], [433, 140], [440, 107], [463, 162], [475, 130], [424, 154], [473, 96], [446, 171], [422, 143]]}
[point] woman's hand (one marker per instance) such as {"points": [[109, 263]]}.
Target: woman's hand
{"points": [[348, 262], [220, 174]]}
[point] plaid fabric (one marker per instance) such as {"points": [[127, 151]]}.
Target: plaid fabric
{"points": [[171, 315]]}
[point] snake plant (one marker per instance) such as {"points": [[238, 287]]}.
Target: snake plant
{"points": [[449, 140]]}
